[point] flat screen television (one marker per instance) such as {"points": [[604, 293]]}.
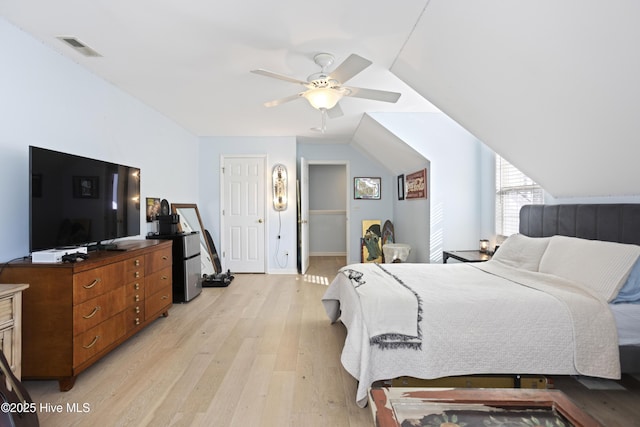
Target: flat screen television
{"points": [[77, 201]]}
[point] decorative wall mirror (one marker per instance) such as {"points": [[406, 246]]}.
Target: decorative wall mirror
{"points": [[190, 221]]}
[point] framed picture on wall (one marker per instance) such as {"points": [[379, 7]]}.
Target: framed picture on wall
{"points": [[401, 187], [416, 185], [153, 208], [366, 188]]}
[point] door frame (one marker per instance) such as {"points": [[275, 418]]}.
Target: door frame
{"points": [[344, 163], [265, 207]]}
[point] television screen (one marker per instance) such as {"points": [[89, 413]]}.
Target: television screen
{"points": [[76, 200]]}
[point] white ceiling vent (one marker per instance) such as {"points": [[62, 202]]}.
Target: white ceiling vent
{"points": [[78, 45]]}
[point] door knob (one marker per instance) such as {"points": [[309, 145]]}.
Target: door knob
{"points": [[260, 220]]}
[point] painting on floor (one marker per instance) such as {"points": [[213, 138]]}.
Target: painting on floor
{"points": [[371, 241]]}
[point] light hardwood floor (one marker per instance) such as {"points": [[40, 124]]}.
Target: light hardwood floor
{"points": [[260, 352]]}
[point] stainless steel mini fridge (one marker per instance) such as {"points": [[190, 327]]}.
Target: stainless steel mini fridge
{"points": [[187, 276]]}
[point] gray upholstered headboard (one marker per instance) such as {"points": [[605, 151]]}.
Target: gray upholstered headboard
{"points": [[609, 222], [614, 223]]}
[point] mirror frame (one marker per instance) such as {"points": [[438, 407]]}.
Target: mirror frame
{"points": [[203, 237]]}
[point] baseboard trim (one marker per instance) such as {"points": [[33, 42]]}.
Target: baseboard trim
{"points": [[327, 254]]}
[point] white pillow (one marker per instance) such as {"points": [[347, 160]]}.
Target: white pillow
{"points": [[601, 266], [523, 252]]}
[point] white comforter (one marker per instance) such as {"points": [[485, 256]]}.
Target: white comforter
{"points": [[475, 319]]}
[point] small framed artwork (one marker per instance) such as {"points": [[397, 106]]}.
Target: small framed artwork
{"points": [[153, 208], [416, 185], [371, 241], [366, 188], [85, 187], [401, 187]]}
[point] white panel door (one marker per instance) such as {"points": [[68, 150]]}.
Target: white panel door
{"points": [[304, 215], [243, 214]]}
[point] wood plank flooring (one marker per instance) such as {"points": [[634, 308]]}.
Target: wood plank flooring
{"points": [[260, 352]]}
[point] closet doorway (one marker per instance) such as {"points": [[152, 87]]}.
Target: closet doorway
{"points": [[328, 190]]}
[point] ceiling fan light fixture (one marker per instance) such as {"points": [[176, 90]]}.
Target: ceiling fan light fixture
{"points": [[323, 97]]}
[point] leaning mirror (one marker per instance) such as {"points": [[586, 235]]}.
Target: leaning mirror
{"points": [[190, 221]]}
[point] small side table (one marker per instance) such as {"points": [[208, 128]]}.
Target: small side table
{"points": [[465, 256]]}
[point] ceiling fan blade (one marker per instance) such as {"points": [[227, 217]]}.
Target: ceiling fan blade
{"points": [[377, 95], [280, 101], [279, 76], [349, 68], [335, 112]]}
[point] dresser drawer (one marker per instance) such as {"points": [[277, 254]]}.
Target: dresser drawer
{"points": [[135, 315], [6, 311], [91, 283], [135, 291], [157, 260], [158, 302], [134, 269], [135, 263], [136, 274], [98, 309], [98, 338], [159, 280]]}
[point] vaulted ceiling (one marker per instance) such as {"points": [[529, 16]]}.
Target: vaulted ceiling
{"points": [[191, 60], [552, 86]]}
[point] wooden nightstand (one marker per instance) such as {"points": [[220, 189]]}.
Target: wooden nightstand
{"points": [[465, 256]]}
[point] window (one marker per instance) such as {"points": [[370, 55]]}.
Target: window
{"points": [[513, 190]]}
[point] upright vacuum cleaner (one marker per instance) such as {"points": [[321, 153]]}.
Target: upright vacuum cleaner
{"points": [[219, 279]]}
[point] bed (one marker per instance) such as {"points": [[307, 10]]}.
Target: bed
{"points": [[542, 305]]}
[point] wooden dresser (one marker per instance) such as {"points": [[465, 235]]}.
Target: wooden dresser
{"points": [[75, 313], [11, 325]]}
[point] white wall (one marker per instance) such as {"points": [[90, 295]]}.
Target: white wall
{"points": [[412, 221], [278, 150], [411, 217], [49, 101], [457, 191], [327, 190]]}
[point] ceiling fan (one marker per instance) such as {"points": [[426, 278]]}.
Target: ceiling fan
{"points": [[324, 90]]}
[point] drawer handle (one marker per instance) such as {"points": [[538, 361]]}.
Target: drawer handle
{"points": [[137, 321], [93, 313], [137, 263], [165, 277], [137, 310], [165, 296], [137, 274], [164, 257], [92, 284], [136, 286], [137, 298], [95, 340]]}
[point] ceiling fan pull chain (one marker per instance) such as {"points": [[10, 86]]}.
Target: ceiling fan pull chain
{"points": [[324, 120]]}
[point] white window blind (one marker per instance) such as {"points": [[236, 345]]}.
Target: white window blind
{"points": [[513, 190]]}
